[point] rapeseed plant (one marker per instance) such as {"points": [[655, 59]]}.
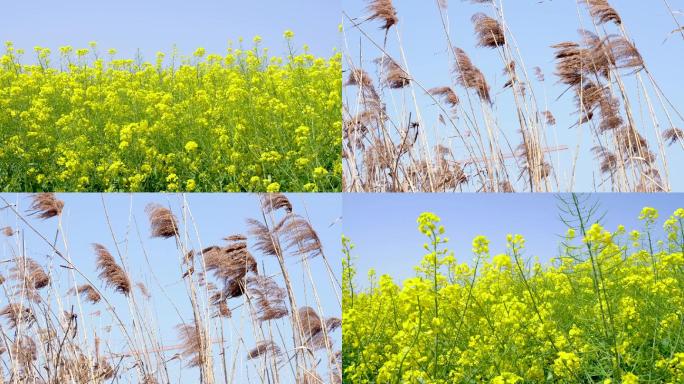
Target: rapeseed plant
{"points": [[607, 309], [242, 121]]}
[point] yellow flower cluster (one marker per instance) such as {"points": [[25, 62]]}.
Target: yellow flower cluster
{"points": [[608, 309], [242, 121]]}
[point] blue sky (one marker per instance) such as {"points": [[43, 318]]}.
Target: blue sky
{"points": [[384, 230], [215, 215], [536, 26], [156, 25]]}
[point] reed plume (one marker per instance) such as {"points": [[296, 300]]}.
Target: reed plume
{"points": [[315, 329], [46, 205], [602, 11], [236, 237], [275, 201], [469, 76], [673, 135], [447, 93], [262, 348], [395, 76], [191, 343], [163, 222], [7, 231], [300, 236], [112, 274], [268, 297], [488, 30], [383, 10], [16, 314], [266, 239], [30, 273], [91, 294]]}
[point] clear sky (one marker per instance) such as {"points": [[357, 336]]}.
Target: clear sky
{"points": [[155, 25], [215, 216], [536, 25], [384, 230]]}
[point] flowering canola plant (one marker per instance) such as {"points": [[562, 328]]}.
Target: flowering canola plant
{"points": [[608, 309], [243, 121]]}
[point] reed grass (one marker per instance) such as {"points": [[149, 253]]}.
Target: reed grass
{"points": [[402, 134], [63, 322]]}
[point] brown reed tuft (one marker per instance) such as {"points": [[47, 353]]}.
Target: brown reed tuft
{"points": [[447, 93], [191, 343], [275, 201], [143, 289], [223, 310], [90, 292], [550, 118], [314, 328], [488, 31], [395, 76], [113, 275], [266, 239], [16, 314], [608, 161], [236, 237], [229, 263], [46, 205], [24, 350], [30, 273], [470, 76], [673, 135], [602, 11], [360, 78], [163, 222], [262, 348], [633, 144], [269, 298], [8, 231], [383, 10], [300, 236]]}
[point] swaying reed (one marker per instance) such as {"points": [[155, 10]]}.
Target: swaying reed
{"points": [[191, 344], [113, 275], [163, 223], [16, 314], [91, 294], [263, 348], [269, 299], [46, 205], [384, 11], [489, 31], [449, 95], [602, 11], [60, 327], [275, 201], [402, 135], [469, 76], [30, 273]]}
